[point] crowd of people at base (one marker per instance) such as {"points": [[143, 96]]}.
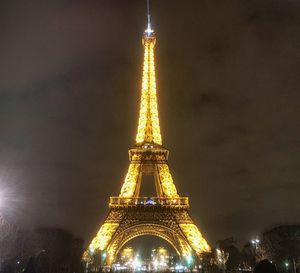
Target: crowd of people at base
{"points": [[264, 266]]}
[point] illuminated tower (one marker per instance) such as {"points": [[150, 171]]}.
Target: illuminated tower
{"points": [[165, 215]]}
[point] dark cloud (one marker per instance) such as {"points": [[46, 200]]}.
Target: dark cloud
{"points": [[228, 85]]}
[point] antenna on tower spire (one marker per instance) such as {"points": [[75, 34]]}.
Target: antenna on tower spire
{"points": [[148, 14], [149, 30]]}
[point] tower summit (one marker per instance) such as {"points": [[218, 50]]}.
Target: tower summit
{"points": [[165, 215], [148, 126], [149, 30]]}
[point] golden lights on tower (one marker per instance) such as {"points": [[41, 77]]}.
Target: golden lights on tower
{"points": [[148, 142], [148, 125], [127, 254], [103, 236], [195, 238], [168, 187], [131, 179]]}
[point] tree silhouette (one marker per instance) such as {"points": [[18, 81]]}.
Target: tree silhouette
{"points": [[228, 245], [281, 245], [60, 250]]}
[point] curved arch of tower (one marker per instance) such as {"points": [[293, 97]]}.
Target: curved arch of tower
{"points": [[165, 215], [164, 232]]}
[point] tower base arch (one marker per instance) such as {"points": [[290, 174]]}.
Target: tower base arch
{"points": [[173, 224]]}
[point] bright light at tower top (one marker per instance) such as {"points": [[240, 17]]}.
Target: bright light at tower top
{"points": [[149, 31]]}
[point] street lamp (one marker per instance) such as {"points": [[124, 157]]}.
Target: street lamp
{"points": [[189, 259], [255, 242], [286, 265]]}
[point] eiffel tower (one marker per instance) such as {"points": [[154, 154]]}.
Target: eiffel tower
{"points": [[167, 214]]}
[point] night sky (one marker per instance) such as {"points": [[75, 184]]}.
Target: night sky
{"points": [[228, 90]]}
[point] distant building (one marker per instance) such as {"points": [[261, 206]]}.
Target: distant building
{"points": [[160, 258], [127, 255]]}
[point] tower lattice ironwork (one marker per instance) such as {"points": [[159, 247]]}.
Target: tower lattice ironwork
{"points": [[165, 215]]}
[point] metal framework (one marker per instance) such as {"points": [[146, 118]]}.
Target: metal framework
{"points": [[165, 215], [154, 202]]}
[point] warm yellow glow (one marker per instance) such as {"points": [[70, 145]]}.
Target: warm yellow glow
{"points": [[86, 256], [127, 254], [131, 180], [110, 256], [148, 126], [133, 176], [185, 248], [148, 157], [168, 187], [103, 236], [195, 238]]}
